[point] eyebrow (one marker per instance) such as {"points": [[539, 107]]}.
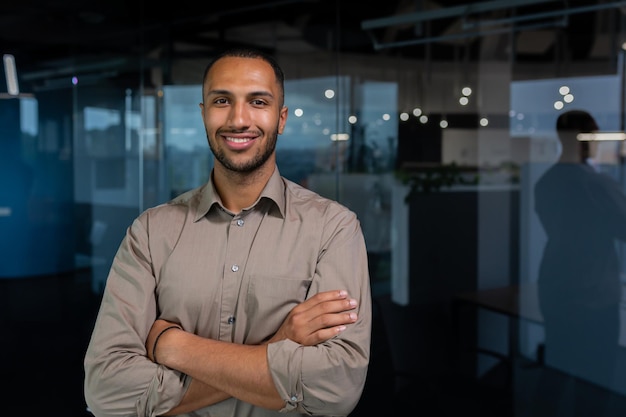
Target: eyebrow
{"points": [[261, 93]]}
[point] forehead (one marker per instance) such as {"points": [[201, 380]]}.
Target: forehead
{"points": [[230, 72]]}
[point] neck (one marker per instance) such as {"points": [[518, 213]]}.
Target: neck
{"points": [[570, 154], [240, 190]]}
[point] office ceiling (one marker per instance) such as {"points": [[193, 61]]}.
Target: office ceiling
{"points": [[49, 35]]}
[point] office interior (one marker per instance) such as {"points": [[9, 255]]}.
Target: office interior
{"points": [[432, 120]]}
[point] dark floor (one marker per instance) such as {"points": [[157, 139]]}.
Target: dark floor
{"points": [[46, 325], [47, 322], [413, 369]]}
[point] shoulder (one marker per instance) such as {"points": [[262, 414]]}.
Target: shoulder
{"points": [[305, 203], [174, 211]]}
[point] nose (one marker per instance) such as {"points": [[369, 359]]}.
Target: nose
{"points": [[239, 115]]}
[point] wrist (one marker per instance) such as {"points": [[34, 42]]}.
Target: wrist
{"points": [[156, 340]]}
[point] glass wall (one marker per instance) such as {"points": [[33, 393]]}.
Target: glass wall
{"points": [[495, 248]]}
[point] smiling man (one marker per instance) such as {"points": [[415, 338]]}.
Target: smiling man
{"points": [[247, 296]]}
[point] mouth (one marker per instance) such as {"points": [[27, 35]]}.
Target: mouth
{"points": [[237, 140]]}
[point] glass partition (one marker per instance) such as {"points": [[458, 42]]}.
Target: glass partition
{"points": [[435, 127]]}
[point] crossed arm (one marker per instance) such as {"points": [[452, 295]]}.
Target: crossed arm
{"points": [[220, 370]]}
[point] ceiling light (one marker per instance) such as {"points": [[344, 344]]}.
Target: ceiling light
{"points": [[339, 137], [10, 73], [601, 136]]}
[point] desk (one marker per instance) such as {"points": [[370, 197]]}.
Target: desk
{"points": [[520, 303], [517, 302]]}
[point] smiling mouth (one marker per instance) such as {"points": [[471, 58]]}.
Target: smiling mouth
{"points": [[237, 140]]}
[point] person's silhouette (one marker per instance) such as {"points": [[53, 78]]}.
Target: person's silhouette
{"points": [[583, 213]]}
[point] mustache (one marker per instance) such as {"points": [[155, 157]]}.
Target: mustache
{"points": [[225, 132]]}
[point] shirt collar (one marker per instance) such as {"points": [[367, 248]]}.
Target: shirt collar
{"points": [[274, 191]]}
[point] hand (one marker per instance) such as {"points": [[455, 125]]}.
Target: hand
{"points": [[317, 319], [159, 327]]}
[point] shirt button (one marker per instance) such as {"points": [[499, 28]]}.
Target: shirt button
{"points": [[240, 222], [234, 268], [231, 320], [294, 398]]}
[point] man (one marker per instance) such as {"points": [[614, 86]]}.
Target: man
{"points": [[583, 213], [248, 296]]}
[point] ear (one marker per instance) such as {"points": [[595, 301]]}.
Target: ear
{"points": [[282, 119]]}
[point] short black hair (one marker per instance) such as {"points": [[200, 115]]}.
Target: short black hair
{"points": [[249, 52], [572, 122], [578, 121]]}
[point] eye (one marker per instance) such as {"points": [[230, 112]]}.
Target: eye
{"points": [[258, 102], [220, 100]]}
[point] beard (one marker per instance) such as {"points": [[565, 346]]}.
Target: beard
{"points": [[250, 165]]}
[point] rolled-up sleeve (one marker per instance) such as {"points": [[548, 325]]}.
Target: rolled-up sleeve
{"points": [[120, 380], [328, 379], [171, 265]]}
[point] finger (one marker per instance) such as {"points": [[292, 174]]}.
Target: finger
{"points": [[327, 309], [320, 313], [325, 305], [326, 325], [337, 306], [325, 334], [324, 315], [322, 297], [337, 319]]}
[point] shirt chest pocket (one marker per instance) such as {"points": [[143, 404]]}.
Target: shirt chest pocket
{"points": [[270, 299]]}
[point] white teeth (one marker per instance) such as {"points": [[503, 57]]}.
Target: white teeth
{"points": [[237, 140]]}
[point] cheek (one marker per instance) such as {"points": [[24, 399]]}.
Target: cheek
{"points": [[266, 121], [212, 119]]}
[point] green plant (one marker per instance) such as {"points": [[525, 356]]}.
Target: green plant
{"points": [[432, 178]]}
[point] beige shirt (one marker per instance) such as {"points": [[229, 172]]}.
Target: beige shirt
{"points": [[232, 277]]}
